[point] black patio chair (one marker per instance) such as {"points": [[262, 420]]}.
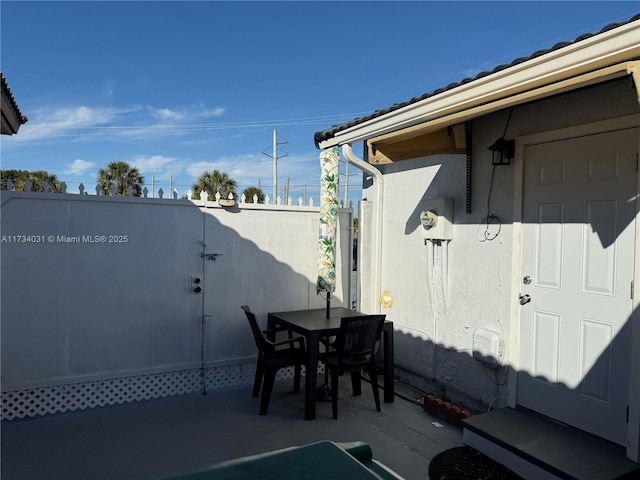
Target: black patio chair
{"points": [[271, 359], [353, 351]]}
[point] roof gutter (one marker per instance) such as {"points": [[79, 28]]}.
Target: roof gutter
{"points": [[547, 72], [376, 263]]}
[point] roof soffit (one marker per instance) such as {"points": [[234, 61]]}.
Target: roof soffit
{"points": [[454, 120]]}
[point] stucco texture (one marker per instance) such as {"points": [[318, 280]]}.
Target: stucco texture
{"points": [[443, 297]]}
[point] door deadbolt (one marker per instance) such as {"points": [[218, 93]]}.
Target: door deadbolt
{"points": [[526, 280]]}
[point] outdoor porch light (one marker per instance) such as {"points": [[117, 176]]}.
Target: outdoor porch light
{"points": [[502, 151]]}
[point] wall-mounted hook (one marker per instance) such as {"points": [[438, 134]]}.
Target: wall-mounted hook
{"points": [[210, 256]]}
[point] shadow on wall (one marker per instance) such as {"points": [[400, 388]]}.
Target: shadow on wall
{"points": [[596, 403], [148, 317], [266, 263], [75, 309], [574, 333]]}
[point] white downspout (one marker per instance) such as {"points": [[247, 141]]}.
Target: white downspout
{"points": [[347, 151]]}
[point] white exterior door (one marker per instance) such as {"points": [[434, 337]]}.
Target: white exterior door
{"points": [[579, 204]]}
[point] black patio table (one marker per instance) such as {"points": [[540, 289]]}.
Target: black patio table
{"points": [[314, 325]]}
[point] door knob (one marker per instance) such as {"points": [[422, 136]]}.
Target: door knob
{"points": [[524, 299]]}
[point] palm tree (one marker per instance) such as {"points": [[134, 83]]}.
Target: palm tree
{"points": [[251, 191], [37, 179], [40, 177], [214, 182], [123, 176]]}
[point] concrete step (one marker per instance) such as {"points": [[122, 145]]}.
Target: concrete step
{"points": [[537, 448]]}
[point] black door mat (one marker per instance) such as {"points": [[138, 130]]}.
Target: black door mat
{"points": [[466, 463]]}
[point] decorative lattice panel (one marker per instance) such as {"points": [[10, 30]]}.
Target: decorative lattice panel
{"points": [[64, 398]]}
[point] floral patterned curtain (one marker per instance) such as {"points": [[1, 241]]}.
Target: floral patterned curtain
{"points": [[329, 163]]}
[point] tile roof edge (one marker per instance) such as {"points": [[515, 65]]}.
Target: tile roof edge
{"points": [[6, 92], [328, 133]]}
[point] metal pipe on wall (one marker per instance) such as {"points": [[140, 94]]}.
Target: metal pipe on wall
{"points": [[379, 195]]}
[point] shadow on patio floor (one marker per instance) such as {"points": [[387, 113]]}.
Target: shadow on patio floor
{"points": [[161, 438]]}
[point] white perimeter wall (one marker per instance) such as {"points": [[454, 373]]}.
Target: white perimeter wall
{"points": [[75, 311]]}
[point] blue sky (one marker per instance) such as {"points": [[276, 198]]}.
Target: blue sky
{"points": [[177, 88]]}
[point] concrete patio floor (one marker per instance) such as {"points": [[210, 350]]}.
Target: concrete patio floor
{"points": [[161, 438]]}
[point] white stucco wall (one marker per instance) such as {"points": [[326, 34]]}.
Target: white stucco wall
{"points": [[77, 311], [478, 290]]}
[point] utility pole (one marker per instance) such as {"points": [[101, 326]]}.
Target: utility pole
{"points": [[275, 162], [275, 165], [346, 184]]}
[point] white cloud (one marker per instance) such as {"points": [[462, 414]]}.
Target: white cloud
{"points": [[185, 115], [78, 167], [53, 122], [85, 123], [167, 115], [159, 166], [238, 167], [216, 112]]}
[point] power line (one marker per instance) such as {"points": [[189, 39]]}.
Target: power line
{"points": [[130, 129]]}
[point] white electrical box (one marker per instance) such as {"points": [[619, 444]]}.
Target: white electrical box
{"points": [[487, 347], [436, 219]]}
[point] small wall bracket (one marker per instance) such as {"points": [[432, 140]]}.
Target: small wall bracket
{"points": [[210, 256]]}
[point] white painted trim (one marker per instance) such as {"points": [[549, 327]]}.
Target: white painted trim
{"points": [[513, 350], [99, 377], [54, 399], [6, 196], [599, 52], [633, 446]]}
